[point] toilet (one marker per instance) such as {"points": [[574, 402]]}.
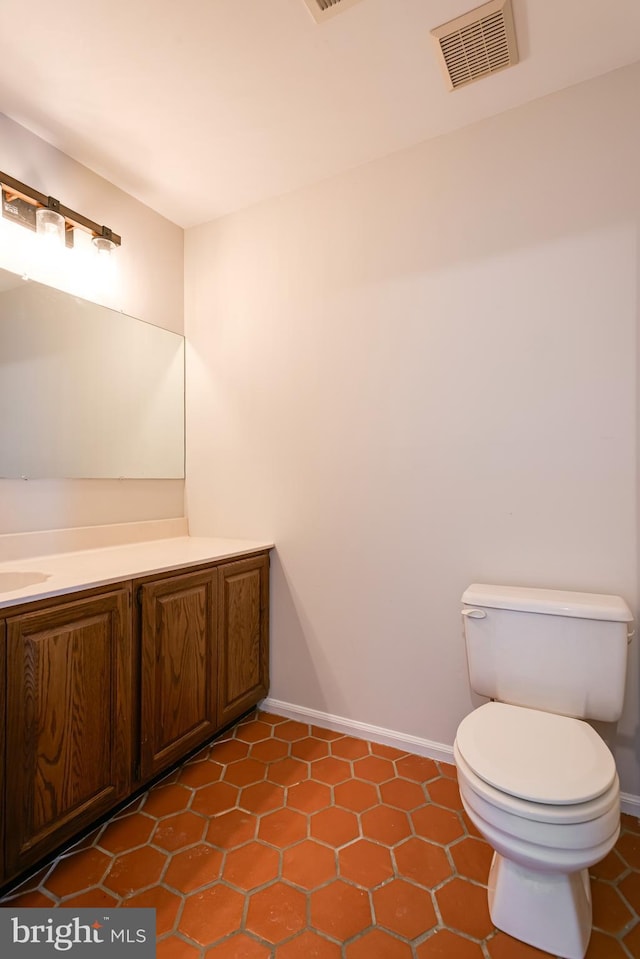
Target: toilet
{"points": [[535, 779]]}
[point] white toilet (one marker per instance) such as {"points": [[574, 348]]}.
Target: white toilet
{"points": [[537, 782]]}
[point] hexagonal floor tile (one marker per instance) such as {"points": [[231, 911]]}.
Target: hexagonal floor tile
{"points": [[610, 912], [379, 943], [309, 945], [244, 772], [166, 904], [365, 863], [92, 898], [334, 826], [472, 858], [214, 799], [279, 825], [167, 800], [330, 770], [261, 797], [374, 769], [423, 861], [340, 910], [290, 730], [349, 748], [232, 828], [437, 824], [444, 944], [174, 947], [135, 870], [176, 832], [251, 865], [211, 915], [277, 912], [268, 750], [417, 768], [72, 874], [127, 833], [253, 731], [229, 751], [309, 749], [444, 792], [200, 774], [239, 946], [385, 824], [356, 795], [308, 864], [402, 793], [282, 827], [309, 796], [404, 908], [288, 772], [193, 868], [464, 907]]}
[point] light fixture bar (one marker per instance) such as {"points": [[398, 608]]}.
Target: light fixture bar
{"points": [[15, 189]]}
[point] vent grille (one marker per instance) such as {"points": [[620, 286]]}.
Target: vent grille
{"points": [[321, 10], [477, 44]]}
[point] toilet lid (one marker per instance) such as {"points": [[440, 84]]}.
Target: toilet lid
{"points": [[534, 755]]}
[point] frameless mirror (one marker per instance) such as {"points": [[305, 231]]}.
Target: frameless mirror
{"points": [[85, 391]]}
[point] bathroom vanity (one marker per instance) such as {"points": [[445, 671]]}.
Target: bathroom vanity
{"points": [[114, 664]]}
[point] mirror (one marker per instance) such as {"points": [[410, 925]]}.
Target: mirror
{"points": [[85, 391]]}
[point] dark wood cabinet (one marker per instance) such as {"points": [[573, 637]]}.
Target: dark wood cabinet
{"points": [[243, 636], [102, 691], [179, 667], [68, 721]]}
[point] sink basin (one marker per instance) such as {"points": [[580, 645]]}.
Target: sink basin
{"points": [[17, 579]]}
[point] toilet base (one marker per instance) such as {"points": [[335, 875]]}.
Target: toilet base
{"points": [[549, 911]]}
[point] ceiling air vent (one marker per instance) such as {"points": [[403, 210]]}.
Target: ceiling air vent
{"points": [[321, 10], [478, 43]]}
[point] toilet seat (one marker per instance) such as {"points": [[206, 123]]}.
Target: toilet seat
{"points": [[603, 806], [528, 756]]}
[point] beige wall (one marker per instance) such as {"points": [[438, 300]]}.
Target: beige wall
{"points": [[148, 283], [422, 374]]}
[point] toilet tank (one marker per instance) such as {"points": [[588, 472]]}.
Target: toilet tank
{"points": [[548, 649]]}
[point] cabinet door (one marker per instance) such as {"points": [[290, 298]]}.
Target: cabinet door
{"points": [[243, 668], [68, 737], [179, 665]]}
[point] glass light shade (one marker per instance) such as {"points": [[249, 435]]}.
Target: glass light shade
{"points": [[104, 246], [50, 224]]}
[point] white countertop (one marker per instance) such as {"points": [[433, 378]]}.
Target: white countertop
{"points": [[69, 572]]}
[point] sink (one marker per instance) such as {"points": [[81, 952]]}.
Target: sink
{"points": [[17, 579]]}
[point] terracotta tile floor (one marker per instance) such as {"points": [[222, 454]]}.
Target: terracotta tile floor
{"points": [[284, 841]]}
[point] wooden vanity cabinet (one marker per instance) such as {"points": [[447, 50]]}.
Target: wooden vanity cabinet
{"points": [[179, 659], [204, 656], [104, 690], [68, 721], [243, 636]]}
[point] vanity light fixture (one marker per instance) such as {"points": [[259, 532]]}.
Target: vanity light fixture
{"points": [[50, 222], [44, 214], [104, 242]]}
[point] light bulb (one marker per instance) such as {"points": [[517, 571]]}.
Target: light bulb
{"points": [[50, 224], [103, 245]]}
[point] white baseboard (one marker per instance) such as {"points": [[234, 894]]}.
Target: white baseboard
{"points": [[351, 727], [629, 803]]}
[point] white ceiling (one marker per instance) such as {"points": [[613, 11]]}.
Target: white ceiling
{"points": [[201, 107]]}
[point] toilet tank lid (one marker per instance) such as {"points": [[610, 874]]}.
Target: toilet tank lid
{"points": [[553, 602]]}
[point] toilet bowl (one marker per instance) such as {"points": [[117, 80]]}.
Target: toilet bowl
{"points": [[535, 779], [543, 791]]}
